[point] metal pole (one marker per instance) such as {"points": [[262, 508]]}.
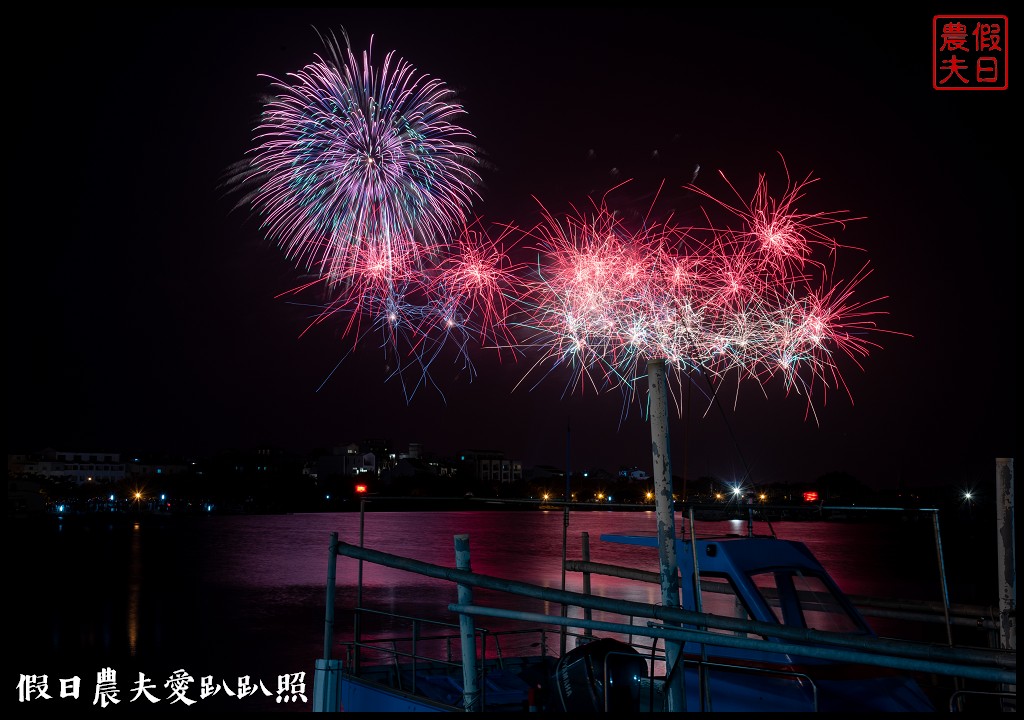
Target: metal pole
{"points": [[332, 565], [945, 588], [563, 632], [665, 509], [467, 630], [1006, 550], [327, 673], [568, 474], [942, 577], [357, 632], [587, 613], [698, 606]]}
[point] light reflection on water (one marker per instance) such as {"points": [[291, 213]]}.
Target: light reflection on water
{"points": [[134, 588], [289, 550], [244, 595], [271, 554]]}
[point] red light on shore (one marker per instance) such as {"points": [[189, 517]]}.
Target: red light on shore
{"points": [[360, 488], [810, 496]]}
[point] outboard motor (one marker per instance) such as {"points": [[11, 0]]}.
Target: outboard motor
{"points": [[602, 676]]}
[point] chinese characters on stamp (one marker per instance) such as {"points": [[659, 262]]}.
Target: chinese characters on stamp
{"points": [[969, 52]]}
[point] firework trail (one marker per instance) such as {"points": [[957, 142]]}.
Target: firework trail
{"points": [[454, 299]]}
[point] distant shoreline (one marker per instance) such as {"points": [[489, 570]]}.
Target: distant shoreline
{"points": [[702, 511]]}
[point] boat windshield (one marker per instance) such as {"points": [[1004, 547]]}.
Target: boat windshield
{"points": [[803, 600], [718, 596]]}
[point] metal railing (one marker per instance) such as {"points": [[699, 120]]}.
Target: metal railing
{"points": [[664, 624], [989, 666]]}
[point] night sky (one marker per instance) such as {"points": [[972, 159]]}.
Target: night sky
{"points": [[144, 311]]}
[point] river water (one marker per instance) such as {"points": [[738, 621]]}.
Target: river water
{"points": [[240, 599]]}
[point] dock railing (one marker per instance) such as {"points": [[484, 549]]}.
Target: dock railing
{"points": [[665, 624]]}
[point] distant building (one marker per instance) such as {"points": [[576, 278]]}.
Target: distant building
{"points": [[493, 467], [346, 461], [79, 467], [419, 473], [634, 473]]}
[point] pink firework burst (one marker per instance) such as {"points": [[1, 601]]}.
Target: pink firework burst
{"points": [[605, 299], [813, 331], [784, 236], [475, 281], [588, 305]]}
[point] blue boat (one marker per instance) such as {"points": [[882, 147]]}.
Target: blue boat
{"points": [[776, 582]]}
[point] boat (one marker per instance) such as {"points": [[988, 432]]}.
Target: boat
{"points": [[770, 630], [776, 582]]}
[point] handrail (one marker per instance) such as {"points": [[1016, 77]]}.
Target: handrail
{"points": [[956, 698], [700, 636], [944, 661], [392, 645], [979, 616]]}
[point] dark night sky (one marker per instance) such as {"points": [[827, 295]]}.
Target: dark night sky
{"points": [[142, 310]]}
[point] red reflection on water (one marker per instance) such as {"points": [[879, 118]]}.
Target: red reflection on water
{"points": [[245, 595], [882, 559]]}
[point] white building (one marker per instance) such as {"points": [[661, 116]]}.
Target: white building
{"points": [[79, 467]]}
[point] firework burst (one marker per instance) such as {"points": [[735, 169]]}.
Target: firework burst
{"points": [[753, 300], [476, 280], [587, 305], [784, 237], [455, 298], [351, 159], [363, 177]]}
